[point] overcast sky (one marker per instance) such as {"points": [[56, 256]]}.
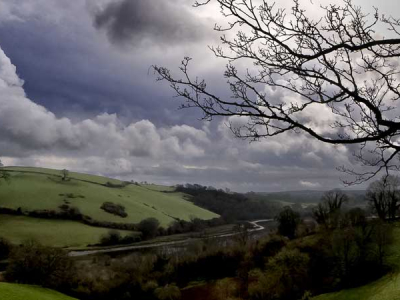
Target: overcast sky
{"points": [[77, 92]]}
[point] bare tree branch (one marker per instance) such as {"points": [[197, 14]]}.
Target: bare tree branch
{"points": [[336, 61]]}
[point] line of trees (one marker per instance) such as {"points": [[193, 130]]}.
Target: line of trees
{"points": [[231, 206]]}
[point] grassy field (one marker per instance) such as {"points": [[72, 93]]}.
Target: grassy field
{"points": [[59, 233], [38, 189], [45, 190], [386, 288], [10, 291]]}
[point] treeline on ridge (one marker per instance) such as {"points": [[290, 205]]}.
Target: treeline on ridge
{"points": [[230, 206]]}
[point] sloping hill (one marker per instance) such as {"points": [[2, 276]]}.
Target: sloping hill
{"points": [[43, 189], [10, 291]]}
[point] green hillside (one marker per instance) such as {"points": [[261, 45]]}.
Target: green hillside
{"points": [[10, 291], [43, 189], [58, 233]]}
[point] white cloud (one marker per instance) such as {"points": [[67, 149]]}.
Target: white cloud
{"points": [[25, 123], [103, 144], [311, 185]]}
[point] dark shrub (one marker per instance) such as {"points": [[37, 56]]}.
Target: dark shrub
{"points": [[33, 263], [113, 237], [115, 209], [286, 277], [122, 226], [148, 227], [11, 211], [288, 221], [267, 248], [5, 248]]}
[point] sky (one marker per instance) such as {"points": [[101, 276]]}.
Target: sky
{"points": [[77, 91]]}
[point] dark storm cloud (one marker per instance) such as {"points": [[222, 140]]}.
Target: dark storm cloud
{"points": [[161, 22], [72, 75]]}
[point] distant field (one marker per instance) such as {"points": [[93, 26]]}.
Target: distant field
{"points": [[159, 188], [59, 233], [43, 190], [10, 291], [386, 288]]}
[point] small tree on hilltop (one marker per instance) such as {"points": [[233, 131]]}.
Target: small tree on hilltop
{"points": [[64, 174]]}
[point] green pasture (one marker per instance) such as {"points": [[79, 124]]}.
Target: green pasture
{"points": [[36, 188], [58, 233], [10, 291]]}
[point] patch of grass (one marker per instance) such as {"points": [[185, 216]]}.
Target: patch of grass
{"points": [[386, 288], [60, 233], [159, 188], [10, 291]]}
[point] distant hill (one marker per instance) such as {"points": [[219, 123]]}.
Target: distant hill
{"points": [[38, 189], [310, 196]]}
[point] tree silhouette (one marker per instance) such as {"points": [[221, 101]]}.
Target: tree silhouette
{"points": [[384, 197], [337, 62], [327, 212], [288, 220]]}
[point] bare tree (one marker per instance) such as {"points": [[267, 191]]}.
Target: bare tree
{"points": [[337, 61], [334, 199], [327, 212], [384, 197]]}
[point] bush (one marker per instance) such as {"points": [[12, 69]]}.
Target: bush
{"points": [[67, 213], [11, 211], [288, 222], [5, 248], [168, 292], [149, 228], [32, 263], [286, 277], [267, 248], [113, 237], [115, 209]]}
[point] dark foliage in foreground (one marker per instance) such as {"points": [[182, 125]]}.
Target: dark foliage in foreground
{"points": [[288, 221], [273, 268], [32, 263], [5, 248]]}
